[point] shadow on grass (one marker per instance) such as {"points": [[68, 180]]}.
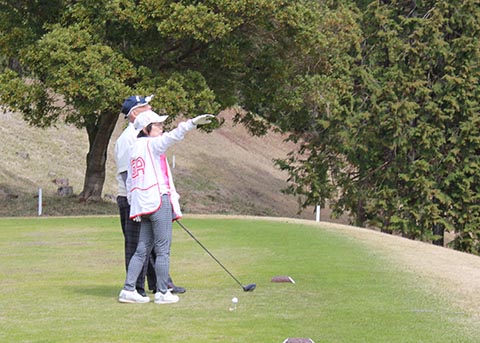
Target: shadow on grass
{"points": [[103, 291]]}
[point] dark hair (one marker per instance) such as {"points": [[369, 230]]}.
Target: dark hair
{"points": [[142, 133]]}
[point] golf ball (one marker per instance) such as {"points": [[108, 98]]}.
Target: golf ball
{"points": [[234, 300]]}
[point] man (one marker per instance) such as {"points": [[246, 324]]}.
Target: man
{"points": [[131, 108]]}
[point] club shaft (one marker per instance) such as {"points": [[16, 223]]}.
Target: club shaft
{"points": [[208, 252]]}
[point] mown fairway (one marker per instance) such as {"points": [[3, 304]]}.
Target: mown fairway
{"points": [[60, 278]]}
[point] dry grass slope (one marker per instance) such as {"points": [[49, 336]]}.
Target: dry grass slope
{"points": [[225, 172]]}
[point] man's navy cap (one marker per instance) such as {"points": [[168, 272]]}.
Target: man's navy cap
{"points": [[133, 102]]}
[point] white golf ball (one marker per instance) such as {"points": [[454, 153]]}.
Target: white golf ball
{"points": [[234, 300]]}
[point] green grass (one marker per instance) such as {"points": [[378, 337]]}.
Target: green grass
{"points": [[60, 278]]}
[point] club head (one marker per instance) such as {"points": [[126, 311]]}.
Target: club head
{"points": [[250, 287]]}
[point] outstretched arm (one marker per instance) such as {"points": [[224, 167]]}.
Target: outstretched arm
{"points": [[161, 143]]}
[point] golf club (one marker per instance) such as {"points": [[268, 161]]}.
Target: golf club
{"points": [[247, 288]]}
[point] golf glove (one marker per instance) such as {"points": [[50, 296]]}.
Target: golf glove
{"points": [[203, 119]]}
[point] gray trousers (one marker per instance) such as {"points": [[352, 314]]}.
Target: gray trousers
{"points": [[131, 231], [156, 234]]}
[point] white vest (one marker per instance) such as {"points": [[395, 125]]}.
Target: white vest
{"points": [[149, 175]]}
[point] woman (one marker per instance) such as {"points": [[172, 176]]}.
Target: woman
{"points": [[153, 201]]}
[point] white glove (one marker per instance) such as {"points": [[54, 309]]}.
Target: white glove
{"points": [[203, 119]]}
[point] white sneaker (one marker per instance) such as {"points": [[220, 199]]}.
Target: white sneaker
{"points": [[132, 297], [167, 298]]}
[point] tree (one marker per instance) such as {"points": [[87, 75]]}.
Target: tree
{"points": [[424, 56], [72, 67], [393, 139], [77, 60]]}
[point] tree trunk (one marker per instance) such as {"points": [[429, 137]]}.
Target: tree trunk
{"points": [[361, 216], [98, 136], [439, 230]]}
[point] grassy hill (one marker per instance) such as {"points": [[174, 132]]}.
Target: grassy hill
{"points": [[225, 172]]}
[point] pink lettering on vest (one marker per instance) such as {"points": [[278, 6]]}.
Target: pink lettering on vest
{"points": [[138, 166]]}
